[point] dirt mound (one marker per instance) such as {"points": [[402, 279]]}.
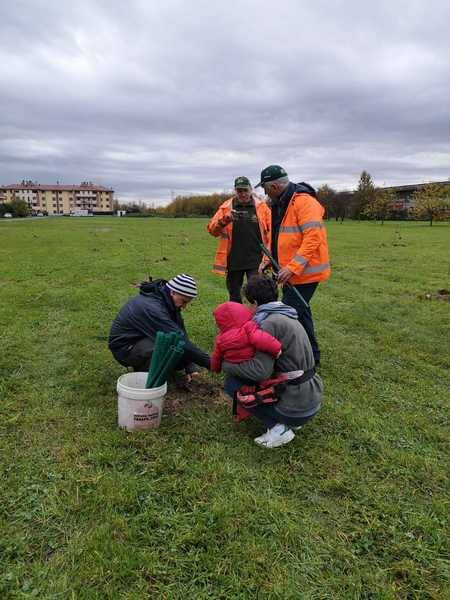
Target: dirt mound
{"points": [[199, 392]]}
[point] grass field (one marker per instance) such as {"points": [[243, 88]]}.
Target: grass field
{"points": [[356, 507]]}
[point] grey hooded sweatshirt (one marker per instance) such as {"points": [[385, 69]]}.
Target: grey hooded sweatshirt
{"points": [[296, 400]]}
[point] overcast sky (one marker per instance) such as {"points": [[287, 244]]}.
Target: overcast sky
{"points": [[158, 98]]}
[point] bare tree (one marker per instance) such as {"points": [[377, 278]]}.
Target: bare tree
{"points": [[342, 204], [325, 195]]}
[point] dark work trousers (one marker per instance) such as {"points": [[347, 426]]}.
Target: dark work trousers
{"points": [[304, 311], [235, 280], [140, 355]]}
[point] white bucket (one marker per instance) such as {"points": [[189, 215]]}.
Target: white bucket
{"points": [[139, 408]]}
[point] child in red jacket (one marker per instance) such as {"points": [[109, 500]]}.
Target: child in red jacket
{"points": [[240, 337]]}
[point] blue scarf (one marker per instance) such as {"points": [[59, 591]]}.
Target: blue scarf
{"points": [[274, 308]]}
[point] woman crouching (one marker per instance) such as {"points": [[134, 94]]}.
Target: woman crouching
{"points": [[299, 395]]}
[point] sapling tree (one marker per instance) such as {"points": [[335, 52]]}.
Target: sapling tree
{"points": [[364, 195], [381, 205], [431, 202]]}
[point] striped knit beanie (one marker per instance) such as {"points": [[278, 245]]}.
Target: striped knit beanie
{"points": [[183, 284]]}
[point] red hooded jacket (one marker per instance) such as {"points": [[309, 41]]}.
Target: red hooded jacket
{"points": [[240, 337]]}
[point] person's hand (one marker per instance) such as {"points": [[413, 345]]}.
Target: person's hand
{"points": [[284, 275], [223, 222], [191, 376], [264, 264]]}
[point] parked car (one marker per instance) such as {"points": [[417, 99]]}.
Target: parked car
{"points": [[7, 216]]}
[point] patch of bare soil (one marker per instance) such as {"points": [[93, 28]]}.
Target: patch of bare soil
{"points": [[439, 295], [199, 392]]}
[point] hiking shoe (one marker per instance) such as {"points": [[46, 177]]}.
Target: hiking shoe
{"points": [[279, 435]]}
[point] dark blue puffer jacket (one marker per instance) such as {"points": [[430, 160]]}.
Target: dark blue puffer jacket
{"points": [[152, 310]]}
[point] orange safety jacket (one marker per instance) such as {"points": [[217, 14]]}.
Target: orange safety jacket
{"points": [[302, 240], [225, 234]]}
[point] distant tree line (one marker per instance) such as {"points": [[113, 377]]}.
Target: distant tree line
{"points": [[430, 202], [200, 205], [136, 209]]}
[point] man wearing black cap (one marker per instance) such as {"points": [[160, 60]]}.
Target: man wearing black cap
{"points": [[299, 242], [240, 223], [156, 308]]}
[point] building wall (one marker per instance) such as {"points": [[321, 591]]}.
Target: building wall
{"points": [[57, 201]]}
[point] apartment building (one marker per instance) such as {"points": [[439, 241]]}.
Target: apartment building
{"points": [[59, 199]]}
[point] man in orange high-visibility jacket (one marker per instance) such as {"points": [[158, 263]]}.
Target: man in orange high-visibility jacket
{"points": [[299, 242], [240, 223]]}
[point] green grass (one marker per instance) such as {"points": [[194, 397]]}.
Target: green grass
{"points": [[356, 507]]}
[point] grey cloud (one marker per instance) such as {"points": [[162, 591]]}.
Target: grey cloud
{"points": [[150, 97]]}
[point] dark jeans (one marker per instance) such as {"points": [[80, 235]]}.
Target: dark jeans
{"points": [[235, 280], [266, 413], [304, 311], [140, 355]]}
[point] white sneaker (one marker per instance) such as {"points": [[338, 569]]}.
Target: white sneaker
{"points": [[279, 435]]}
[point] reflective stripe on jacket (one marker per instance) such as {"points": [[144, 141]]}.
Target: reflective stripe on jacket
{"points": [[225, 234], [302, 240]]}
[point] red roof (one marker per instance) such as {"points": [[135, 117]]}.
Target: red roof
{"points": [[57, 186]]}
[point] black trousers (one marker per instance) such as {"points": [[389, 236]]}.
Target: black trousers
{"points": [[140, 355], [304, 311], [235, 280]]}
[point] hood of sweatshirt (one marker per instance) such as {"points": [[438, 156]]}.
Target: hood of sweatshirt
{"points": [[147, 288], [294, 188], [159, 289], [305, 188], [279, 308], [231, 314]]}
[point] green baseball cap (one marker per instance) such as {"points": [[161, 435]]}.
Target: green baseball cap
{"points": [[271, 173], [242, 182]]}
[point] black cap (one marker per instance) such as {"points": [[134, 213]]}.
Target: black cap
{"points": [[271, 173], [242, 182]]}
